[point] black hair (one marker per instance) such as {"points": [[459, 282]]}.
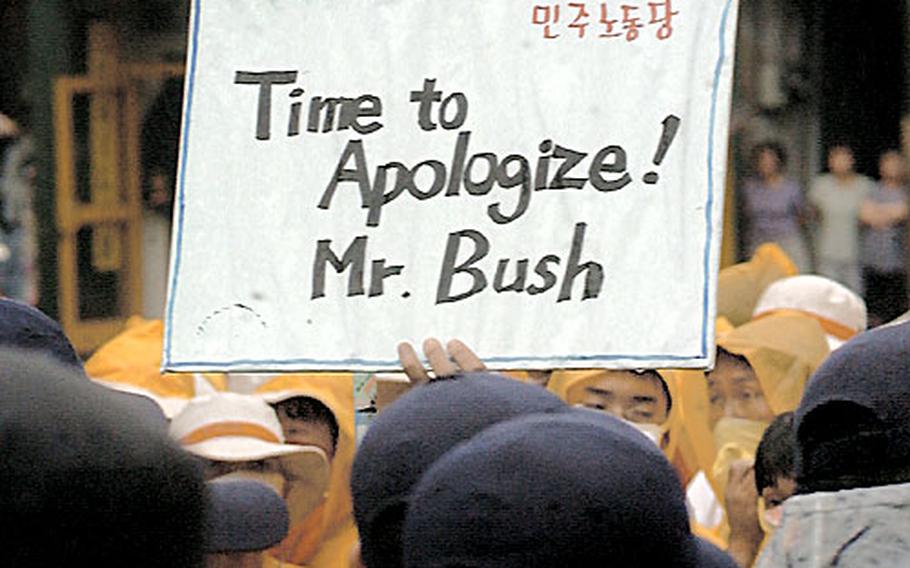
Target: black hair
{"points": [[309, 409], [844, 445], [738, 358], [775, 148], [776, 451], [841, 145], [663, 384]]}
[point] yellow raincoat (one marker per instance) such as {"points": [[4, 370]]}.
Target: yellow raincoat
{"points": [[695, 445], [783, 350], [740, 286], [326, 537], [131, 362]]}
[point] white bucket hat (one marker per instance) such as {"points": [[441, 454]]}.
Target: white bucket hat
{"points": [[840, 311], [232, 427]]}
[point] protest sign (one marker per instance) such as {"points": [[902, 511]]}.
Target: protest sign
{"points": [[543, 180]]}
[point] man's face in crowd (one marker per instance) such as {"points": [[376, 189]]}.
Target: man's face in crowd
{"points": [[307, 433], [734, 392], [634, 397], [891, 166], [840, 160], [768, 164]]}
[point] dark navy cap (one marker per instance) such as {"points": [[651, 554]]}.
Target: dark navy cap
{"points": [[853, 423], [31, 333], [411, 434], [243, 515], [576, 488], [80, 478], [26, 328]]}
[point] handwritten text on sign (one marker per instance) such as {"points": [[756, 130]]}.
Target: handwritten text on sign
{"points": [[378, 173], [580, 15], [555, 168]]}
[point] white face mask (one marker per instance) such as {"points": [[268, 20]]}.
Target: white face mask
{"points": [[653, 432]]}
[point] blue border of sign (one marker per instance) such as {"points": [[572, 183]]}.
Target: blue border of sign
{"points": [[283, 363]]}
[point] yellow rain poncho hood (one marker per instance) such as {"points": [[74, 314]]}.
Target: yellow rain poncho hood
{"points": [[783, 350], [740, 286], [566, 385], [696, 445], [325, 540], [131, 362]]}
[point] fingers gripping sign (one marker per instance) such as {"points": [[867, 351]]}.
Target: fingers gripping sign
{"points": [[454, 358]]}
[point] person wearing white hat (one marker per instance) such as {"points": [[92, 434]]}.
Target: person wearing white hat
{"points": [[840, 311], [240, 436]]}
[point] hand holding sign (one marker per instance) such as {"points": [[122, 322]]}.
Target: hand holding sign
{"points": [[454, 359]]}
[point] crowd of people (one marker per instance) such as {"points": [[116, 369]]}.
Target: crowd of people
{"points": [[794, 450], [857, 225]]}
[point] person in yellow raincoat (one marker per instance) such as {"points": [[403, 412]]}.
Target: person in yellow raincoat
{"points": [[131, 362], [240, 436], [325, 538], [760, 372]]}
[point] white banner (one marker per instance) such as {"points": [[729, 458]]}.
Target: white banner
{"points": [[543, 180]]}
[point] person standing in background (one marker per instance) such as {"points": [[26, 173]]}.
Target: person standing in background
{"points": [[160, 147], [17, 174], [774, 206], [837, 198], [884, 218]]}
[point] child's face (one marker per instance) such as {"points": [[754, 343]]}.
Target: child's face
{"points": [[734, 392], [783, 489], [307, 433], [840, 160], [628, 395]]}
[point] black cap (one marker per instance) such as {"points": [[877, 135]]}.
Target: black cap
{"points": [[411, 434], [243, 515], [80, 478], [26, 328], [853, 423], [577, 488]]}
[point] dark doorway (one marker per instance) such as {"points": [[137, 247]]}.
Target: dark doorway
{"points": [[13, 57], [862, 77]]}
